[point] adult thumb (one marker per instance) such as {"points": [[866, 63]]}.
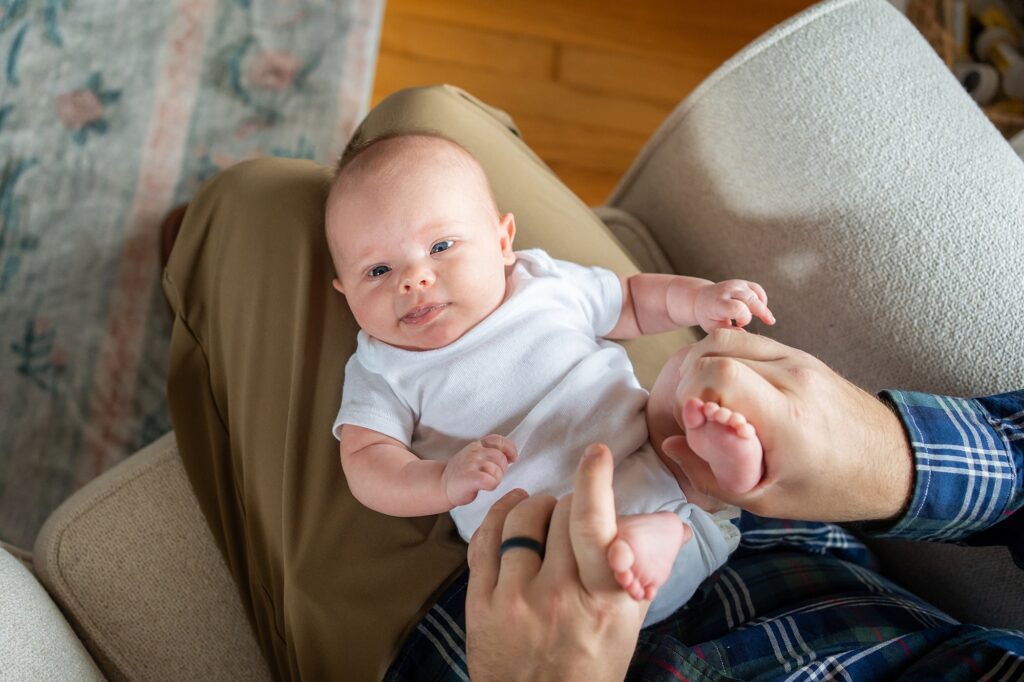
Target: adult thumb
{"points": [[691, 471], [592, 519]]}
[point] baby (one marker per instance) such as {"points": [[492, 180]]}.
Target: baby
{"points": [[462, 336]]}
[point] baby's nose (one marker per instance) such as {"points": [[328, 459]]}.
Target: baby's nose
{"points": [[417, 278]]}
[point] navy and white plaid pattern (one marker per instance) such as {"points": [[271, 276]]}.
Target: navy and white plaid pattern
{"points": [[802, 601], [968, 457]]}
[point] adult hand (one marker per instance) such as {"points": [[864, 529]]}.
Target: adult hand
{"points": [[832, 452], [560, 618]]}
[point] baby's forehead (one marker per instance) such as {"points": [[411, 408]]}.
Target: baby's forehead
{"points": [[393, 163], [392, 159]]}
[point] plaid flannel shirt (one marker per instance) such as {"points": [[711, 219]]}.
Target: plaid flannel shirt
{"points": [[803, 601]]}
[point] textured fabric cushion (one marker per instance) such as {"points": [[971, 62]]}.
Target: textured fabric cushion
{"points": [[132, 564], [36, 643], [636, 239], [838, 162]]}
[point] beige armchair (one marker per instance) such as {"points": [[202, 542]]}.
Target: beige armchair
{"points": [[835, 146]]}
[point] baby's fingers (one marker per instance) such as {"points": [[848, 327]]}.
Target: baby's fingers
{"points": [[758, 303], [492, 462], [468, 484], [485, 478], [735, 309], [501, 443], [759, 292], [765, 315], [762, 312]]}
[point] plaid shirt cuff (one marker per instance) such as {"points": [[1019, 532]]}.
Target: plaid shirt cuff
{"points": [[968, 455]]}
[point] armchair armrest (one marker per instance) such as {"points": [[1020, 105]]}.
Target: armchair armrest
{"points": [[36, 642], [133, 566]]}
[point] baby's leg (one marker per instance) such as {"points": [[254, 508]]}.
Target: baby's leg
{"points": [[643, 552], [720, 436]]}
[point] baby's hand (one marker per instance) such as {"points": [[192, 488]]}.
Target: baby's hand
{"points": [[734, 299], [479, 466]]}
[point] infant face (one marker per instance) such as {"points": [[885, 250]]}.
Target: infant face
{"points": [[417, 242]]}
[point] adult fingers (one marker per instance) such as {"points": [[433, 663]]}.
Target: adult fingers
{"points": [[736, 343], [734, 381], [519, 565], [758, 499], [592, 522], [693, 473], [560, 562], [484, 546], [725, 380]]}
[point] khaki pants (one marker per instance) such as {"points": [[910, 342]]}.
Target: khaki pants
{"points": [[258, 353]]}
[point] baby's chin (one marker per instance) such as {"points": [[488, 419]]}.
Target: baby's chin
{"points": [[422, 345], [427, 339]]}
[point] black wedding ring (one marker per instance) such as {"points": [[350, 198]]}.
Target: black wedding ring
{"points": [[521, 542]]}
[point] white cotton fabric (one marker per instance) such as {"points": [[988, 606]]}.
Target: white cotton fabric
{"points": [[537, 371]]}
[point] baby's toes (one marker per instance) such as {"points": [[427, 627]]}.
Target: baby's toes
{"points": [[722, 415], [636, 590], [693, 414], [737, 420], [628, 581], [620, 558]]}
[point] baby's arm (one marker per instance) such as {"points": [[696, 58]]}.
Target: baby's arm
{"points": [[654, 303], [385, 476]]}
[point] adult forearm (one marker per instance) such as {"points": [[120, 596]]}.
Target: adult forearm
{"points": [[891, 475]]}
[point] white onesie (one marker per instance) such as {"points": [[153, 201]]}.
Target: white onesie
{"points": [[538, 371]]}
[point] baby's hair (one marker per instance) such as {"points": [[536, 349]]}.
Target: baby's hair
{"points": [[358, 148]]}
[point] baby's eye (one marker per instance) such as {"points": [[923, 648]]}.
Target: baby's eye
{"points": [[379, 271], [442, 245]]}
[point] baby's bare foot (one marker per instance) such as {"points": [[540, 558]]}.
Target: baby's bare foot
{"points": [[727, 442], [642, 554]]}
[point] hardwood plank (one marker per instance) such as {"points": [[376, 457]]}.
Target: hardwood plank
{"points": [[576, 144], [587, 81], [621, 73], [592, 186], [522, 95], [645, 26], [446, 43]]}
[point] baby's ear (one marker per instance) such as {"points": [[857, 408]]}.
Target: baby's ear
{"points": [[337, 285], [506, 235]]}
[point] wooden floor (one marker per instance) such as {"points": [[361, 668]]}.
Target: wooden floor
{"points": [[587, 81]]}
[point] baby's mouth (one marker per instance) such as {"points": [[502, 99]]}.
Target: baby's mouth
{"points": [[423, 313]]}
